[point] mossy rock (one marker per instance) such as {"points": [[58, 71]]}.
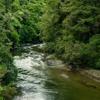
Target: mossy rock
{"points": [[8, 92]]}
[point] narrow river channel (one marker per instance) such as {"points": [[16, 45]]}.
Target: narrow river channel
{"points": [[41, 81]]}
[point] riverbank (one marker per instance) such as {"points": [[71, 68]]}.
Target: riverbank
{"points": [[52, 60], [91, 73]]}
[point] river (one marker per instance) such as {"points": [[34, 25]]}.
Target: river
{"points": [[39, 79]]}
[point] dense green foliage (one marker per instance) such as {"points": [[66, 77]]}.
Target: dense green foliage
{"points": [[25, 18], [18, 24], [32, 11], [5, 44], [71, 29], [20, 20], [8, 72]]}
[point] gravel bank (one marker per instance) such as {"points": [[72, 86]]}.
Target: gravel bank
{"points": [[92, 74]]}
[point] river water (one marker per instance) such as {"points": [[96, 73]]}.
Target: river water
{"points": [[49, 80]]}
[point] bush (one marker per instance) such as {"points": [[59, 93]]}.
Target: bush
{"points": [[94, 49]]}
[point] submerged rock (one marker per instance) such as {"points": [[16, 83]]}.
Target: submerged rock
{"points": [[65, 76]]}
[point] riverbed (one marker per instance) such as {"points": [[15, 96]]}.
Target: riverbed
{"points": [[42, 79]]}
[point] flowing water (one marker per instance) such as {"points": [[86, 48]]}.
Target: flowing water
{"points": [[49, 80]]}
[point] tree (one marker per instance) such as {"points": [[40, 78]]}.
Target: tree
{"points": [[32, 11], [67, 27]]}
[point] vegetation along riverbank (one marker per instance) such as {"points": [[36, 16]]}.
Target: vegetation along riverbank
{"points": [[68, 29]]}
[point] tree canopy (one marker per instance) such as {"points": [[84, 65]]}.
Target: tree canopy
{"points": [[71, 29]]}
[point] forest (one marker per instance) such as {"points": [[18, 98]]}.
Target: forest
{"points": [[69, 28]]}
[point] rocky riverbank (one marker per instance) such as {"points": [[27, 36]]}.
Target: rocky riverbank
{"points": [[91, 73]]}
